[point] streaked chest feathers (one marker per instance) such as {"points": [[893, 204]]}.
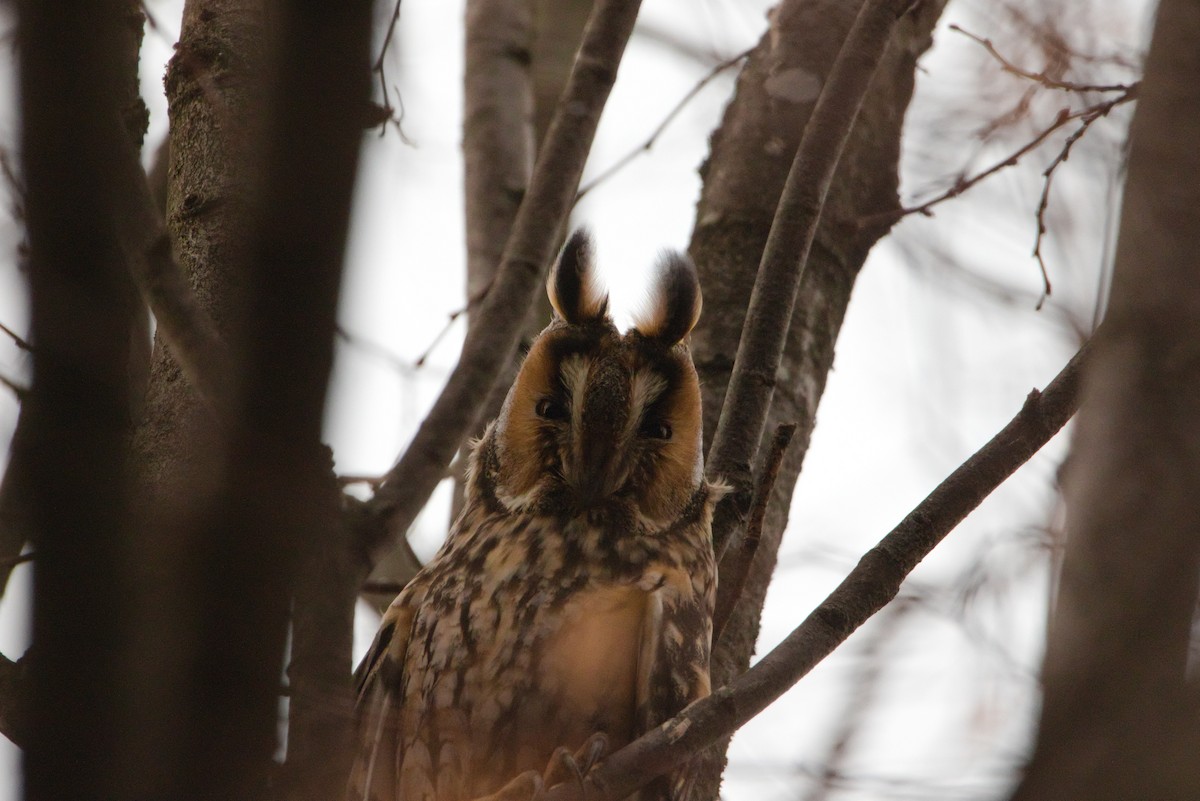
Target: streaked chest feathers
{"points": [[574, 594]]}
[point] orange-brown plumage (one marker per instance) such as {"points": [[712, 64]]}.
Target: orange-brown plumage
{"points": [[574, 594]]}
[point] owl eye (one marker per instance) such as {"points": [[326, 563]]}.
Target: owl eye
{"points": [[655, 429], [549, 409]]}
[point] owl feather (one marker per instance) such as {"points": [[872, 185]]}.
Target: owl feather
{"points": [[573, 596]]}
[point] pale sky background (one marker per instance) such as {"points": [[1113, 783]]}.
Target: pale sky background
{"points": [[928, 367]]}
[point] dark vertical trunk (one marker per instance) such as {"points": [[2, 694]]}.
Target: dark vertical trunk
{"points": [[75, 87], [1119, 716]]}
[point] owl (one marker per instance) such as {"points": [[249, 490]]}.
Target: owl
{"points": [[570, 608]]}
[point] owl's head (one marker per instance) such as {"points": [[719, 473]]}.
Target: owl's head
{"points": [[599, 419]]}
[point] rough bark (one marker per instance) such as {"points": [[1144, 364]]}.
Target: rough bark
{"points": [[213, 87], [266, 123], [1119, 719], [785, 255], [74, 82], [873, 583], [743, 180]]}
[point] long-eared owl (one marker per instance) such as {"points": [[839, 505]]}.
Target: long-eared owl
{"points": [[573, 596]]}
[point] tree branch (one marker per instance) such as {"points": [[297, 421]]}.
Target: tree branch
{"points": [[652, 139], [183, 324], [490, 344], [748, 399], [1038, 77], [498, 142], [867, 589], [276, 531], [751, 155], [739, 561], [14, 700], [77, 78], [1118, 717]]}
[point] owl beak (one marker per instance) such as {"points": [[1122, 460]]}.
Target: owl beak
{"points": [[592, 489], [595, 477]]}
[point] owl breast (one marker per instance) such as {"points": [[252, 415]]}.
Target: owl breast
{"points": [[532, 636], [574, 595]]}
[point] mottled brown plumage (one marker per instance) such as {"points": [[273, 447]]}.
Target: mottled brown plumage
{"points": [[574, 594]]}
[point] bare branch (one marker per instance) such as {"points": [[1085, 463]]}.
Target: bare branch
{"points": [[647, 145], [490, 345], [867, 589], [21, 392], [740, 561], [1088, 116], [1118, 716], [17, 339], [498, 139], [14, 700], [19, 559], [748, 399], [1040, 77], [183, 324]]}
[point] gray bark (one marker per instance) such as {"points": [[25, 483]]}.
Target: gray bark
{"points": [[743, 179]]}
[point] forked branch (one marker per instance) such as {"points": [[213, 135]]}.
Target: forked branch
{"points": [[868, 588], [490, 344], [748, 399]]}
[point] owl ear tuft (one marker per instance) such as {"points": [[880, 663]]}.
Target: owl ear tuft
{"points": [[573, 285], [674, 303]]}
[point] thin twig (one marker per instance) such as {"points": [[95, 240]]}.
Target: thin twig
{"points": [[17, 339], [156, 25], [16, 187], [402, 366], [20, 391], [868, 588], [645, 146], [1087, 117], [19, 559], [387, 38], [960, 186], [751, 385], [1040, 77], [490, 344], [450, 320], [383, 587], [740, 561], [380, 69]]}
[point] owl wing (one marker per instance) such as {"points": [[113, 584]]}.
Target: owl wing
{"points": [[379, 681], [673, 669]]}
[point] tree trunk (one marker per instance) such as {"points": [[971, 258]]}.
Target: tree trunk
{"points": [[78, 77], [743, 178], [1119, 717]]}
